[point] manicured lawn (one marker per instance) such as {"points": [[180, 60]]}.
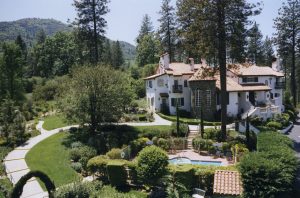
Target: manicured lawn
{"points": [[51, 157], [147, 128], [54, 122], [187, 120]]}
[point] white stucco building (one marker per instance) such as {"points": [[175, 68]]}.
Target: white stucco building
{"points": [[252, 90]]}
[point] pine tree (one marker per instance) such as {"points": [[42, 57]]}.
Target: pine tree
{"points": [[117, 55], [268, 51], [288, 31], [40, 36], [255, 45], [91, 22], [167, 27], [146, 28], [107, 53]]}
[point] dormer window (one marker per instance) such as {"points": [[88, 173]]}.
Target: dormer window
{"points": [[250, 79]]}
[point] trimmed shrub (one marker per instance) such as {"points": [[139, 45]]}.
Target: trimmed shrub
{"points": [[202, 144], [183, 129], [178, 143], [270, 171], [205, 179], [117, 174], [212, 133], [82, 154], [18, 188], [114, 153], [163, 143], [152, 165], [98, 165], [256, 121], [185, 175], [274, 125], [78, 189], [138, 144], [77, 166], [5, 187], [76, 145], [150, 133]]}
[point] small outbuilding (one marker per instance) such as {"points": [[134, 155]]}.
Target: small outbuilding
{"points": [[227, 183]]}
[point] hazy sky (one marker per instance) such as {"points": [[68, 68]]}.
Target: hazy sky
{"points": [[124, 18]]}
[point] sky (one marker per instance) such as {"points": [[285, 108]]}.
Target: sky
{"points": [[124, 18]]}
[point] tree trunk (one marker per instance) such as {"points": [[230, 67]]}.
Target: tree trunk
{"points": [[222, 63], [96, 59]]}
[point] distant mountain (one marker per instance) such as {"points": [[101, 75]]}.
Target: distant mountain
{"points": [[28, 28]]}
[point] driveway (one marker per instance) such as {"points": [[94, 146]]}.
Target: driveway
{"points": [[295, 136]]}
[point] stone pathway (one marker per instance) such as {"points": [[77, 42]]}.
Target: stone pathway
{"points": [[16, 166]]}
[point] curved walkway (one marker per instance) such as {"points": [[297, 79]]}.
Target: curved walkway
{"points": [[16, 166]]}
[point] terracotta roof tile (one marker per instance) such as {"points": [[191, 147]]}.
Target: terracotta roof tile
{"points": [[205, 73], [227, 183], [233, 86], [252, 70]]}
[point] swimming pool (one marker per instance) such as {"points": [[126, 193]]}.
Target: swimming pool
{"points": [[184, 160]]}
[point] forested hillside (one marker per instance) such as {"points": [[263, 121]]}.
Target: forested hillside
{"points": [[28, 28]]}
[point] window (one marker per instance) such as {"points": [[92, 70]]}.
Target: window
{"points": [[249, 79], [185, 83], [152, 101], [150, 83], [267, 82], [198, 98], [208, 98], [277, 95], [160, 82], [175, 100], [176, 82]]}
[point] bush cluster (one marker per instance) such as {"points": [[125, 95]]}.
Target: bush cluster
{"points": [[80, 155], [271, 170], [170, 143], [114, 153], [183, 129]]}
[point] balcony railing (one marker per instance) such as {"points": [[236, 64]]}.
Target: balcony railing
{"points": [[279, 85], [177, 88]]}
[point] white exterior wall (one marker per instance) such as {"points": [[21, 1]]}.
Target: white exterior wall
{"points": [[164, 84], [233, 106], [186, 93]]}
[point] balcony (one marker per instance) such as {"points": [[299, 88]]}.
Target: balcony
{"points": [[177, 88], [279, 85]]}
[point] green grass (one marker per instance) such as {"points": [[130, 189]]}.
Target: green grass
{"points": [[51, 157], [54, 122], [146, 128], [191, 121]]}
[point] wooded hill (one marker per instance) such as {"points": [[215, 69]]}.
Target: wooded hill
{"points": [[29, 27]]}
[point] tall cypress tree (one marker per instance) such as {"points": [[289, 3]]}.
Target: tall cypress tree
{"points": [[167, 27], [268, 51], [91, 22], [288, 31]]}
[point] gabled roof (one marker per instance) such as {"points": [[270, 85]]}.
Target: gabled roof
{"points": [[227, 183], [179, 69], [252, 70], [205, 73]]}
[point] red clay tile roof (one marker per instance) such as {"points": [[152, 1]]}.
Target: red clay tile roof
{"points": [[252, 70], [205, 73], [233, 86], [227, 183]]}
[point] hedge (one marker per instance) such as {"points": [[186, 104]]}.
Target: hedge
{"points": [[117, 174], [188, 120], [271, 170], [98, 165], [198, 175], [185, 175]]}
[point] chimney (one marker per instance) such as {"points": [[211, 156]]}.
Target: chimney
{"points": [[192, 64], [276, 64], [166, 58]]}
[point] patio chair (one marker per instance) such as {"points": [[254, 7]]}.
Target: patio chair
{"points": [[198, 193]]}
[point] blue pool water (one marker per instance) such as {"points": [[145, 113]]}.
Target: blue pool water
{"points": [[184, 160]]}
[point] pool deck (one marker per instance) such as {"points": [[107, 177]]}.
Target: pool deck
{"points": [[195, 156]]}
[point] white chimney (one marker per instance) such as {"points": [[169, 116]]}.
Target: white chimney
{"points": [[276, 64], [166, 59], [192, 64]]}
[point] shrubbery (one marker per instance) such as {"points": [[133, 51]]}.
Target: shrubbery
{"points": [[151, 165], [81, 154], [212, 133], [138, 144], [98, 165], [117, 174], [183, 129], [274, 125], [114, 153], [78, 189], [270, 171]]}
